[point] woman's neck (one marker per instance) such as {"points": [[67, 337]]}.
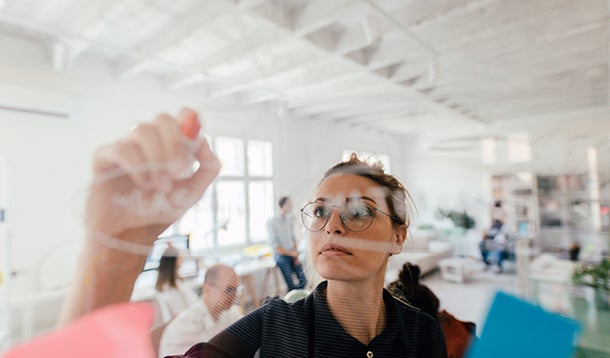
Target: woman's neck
{"points": [[358, 307]]}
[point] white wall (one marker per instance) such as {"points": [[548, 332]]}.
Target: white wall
{"points": [[49, 159], [444, 182]]}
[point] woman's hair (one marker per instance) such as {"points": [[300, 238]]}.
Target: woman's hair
{"points": [[168, 269], [408, 288], [398, 199]]}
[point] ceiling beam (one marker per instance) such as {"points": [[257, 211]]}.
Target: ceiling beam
{"points": [[163, 39], [317, 14], [293, 63]]}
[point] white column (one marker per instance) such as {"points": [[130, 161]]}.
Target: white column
{"points": [[5, 333], [594, 189]]}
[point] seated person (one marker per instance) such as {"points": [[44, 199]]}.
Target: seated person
{"points": [[458, 334], [173, 296], [208, 316], [493, 245]]}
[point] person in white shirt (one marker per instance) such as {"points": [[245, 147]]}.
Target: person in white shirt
{"points": [[173, 296], [204, 319], [281, 229]]}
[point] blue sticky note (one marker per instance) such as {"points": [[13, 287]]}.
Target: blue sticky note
{"points": [[516, 328]]}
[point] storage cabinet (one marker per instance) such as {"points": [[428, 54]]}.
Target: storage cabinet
{"points": [[518, 197]]}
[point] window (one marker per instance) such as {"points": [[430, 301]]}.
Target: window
{"points": [[235, 208], [370, 158], [519, 149]]}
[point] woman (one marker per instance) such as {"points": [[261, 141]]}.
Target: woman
{"points": [[172, 296], [357, 220]]}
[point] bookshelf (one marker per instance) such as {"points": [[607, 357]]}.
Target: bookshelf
{"points": [[517, 192]]}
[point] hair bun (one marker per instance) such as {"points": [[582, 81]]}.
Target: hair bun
{"points": [[409, 275]]}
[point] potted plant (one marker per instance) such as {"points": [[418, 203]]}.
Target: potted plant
{"points": [[597, 276], [460, 219]]}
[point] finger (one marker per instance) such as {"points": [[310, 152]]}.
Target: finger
{"points": [[148, 138], [209, 167], [176, 147], [120, 158], [189, 123]]}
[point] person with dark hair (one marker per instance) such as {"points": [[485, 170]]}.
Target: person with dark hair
{"points": [[493, 246], [458, 334], [281, 229], [172, 295], [498, 213], [358, 217], [407, 287]]}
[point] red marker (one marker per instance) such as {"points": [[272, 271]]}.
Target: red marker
{"points": [[190, 125]]}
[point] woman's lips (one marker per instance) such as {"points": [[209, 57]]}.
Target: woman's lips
{"points": [[334, 250]]}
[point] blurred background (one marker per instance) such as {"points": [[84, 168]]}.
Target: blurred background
{"points": [[468, 102]]}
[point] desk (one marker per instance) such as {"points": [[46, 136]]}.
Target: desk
{"points": [[248, 271], [595, 325], [459, 269], [573, 301]]}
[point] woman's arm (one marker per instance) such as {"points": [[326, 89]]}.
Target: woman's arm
{"points": [[138, 190]]}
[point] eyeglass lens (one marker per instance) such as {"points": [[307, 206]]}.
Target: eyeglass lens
{"points": [[355, 216]]}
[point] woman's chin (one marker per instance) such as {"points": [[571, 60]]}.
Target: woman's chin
{"points": [[335, 271]]}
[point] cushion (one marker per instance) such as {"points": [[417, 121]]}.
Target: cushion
{"points": [[458, 334]]}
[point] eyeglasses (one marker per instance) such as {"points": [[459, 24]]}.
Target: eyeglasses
{"points": [[355, 216], [231, 290]]}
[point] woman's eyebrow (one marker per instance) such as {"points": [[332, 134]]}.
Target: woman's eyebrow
{"points": [[358, 198], [349, 199]]}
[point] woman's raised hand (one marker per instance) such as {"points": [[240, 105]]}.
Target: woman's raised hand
{"points": [[146, 180]]}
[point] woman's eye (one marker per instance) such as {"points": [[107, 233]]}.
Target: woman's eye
{"points": [[320, 211], [361, 211]]}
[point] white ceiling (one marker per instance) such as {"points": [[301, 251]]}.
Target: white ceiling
{"points": [[454, 71]]}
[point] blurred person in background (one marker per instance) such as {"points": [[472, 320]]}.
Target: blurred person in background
{"points": [[208, 316], [282, 235], [172, 295]]}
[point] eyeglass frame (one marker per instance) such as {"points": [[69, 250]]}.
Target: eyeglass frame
{"points": [[229, 290], [394, 218]]}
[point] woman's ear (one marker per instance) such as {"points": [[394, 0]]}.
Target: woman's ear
{"points": [[398, 239]]}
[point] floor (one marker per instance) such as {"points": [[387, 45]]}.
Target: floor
{"points": [[469, 301]]}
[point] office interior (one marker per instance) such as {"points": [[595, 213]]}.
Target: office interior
{"points": [[467, 102]]}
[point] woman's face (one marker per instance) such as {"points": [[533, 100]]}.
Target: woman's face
{"points": [[341, 254]]}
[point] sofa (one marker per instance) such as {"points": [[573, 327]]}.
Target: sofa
{"points": [[422, 249]]}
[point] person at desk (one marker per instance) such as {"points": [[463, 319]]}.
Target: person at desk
{"points": [[493, 246], [283, 241], [172, 295], [357, 219], [210, 315]]}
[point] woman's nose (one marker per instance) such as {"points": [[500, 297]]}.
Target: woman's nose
{"points": [[334, 224]]}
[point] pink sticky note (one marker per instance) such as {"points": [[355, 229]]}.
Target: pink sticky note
{"points": [[121, 330]]}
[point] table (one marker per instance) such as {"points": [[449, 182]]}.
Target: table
{"points": [[577, 302], [595, 325], [459, 269]]}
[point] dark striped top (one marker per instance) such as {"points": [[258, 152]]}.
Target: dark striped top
{"points": [[307, 328]]}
